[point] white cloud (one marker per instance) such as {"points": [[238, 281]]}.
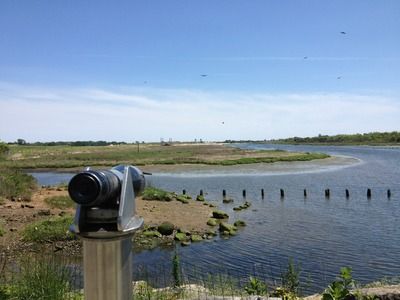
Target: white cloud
{"points": [[129, 114]]}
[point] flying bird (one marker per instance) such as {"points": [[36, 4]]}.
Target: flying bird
{"points": [[203, 75], [339, 77], [305, 57], [343, 32]]}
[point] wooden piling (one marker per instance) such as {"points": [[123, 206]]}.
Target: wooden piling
{"points": [[305, 193], [347, 193], [282, 193], [369, 193], [201, 192], [389, 194], [327, 193], [184, 192], [223, 193], [244, 193]]}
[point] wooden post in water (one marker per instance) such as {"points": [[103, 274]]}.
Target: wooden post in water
{"points": [[262, 193], [389, 194], [327, 193], [347, 194], [369, 193], [201, 192], [223, 193], [244, 193], [282, 193], [184, 192], [305, 193]]}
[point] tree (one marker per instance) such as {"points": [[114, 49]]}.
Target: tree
{"points": [[21, 142]]}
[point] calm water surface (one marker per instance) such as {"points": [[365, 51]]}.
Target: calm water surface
{"points": [[320, 234]]}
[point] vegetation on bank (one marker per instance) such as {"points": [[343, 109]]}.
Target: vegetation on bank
{"points": [[40, 278], [16, 185], [372, 138], [49, 230], [25, 156]]}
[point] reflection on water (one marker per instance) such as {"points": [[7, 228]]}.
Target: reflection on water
{"points": [[321, 234]]}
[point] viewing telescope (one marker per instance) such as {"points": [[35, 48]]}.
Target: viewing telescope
{"points": [[106, 220], [106, 200], [93, 188]]}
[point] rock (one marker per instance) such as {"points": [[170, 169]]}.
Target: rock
{"points": [[218, 214], [211, 232], [166, 228], [212, 222], [183, 198], [180, 236], [151, 234], [237, 208], [239, 223], [200, 198], [227, 200], [196, 238], [186, 232], [211, 205], [185, 243], [44, 212], [13, 229], [223, 226]]}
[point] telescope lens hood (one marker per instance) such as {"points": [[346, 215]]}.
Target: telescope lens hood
{"points": [[92, 188]]}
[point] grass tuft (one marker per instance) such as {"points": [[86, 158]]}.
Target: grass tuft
{"points": [[61, 202], [49, 230]]}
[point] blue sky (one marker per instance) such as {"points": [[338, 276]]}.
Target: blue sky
{"points": [[132, 70]]}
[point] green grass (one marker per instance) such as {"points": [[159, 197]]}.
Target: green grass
{"points": [[49, 230], [152, 193], [2, 229], [16, 184], [32, 157], [41, 280], [61, 202]]}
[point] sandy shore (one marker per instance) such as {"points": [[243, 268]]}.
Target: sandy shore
{"points": [[277, 168]]}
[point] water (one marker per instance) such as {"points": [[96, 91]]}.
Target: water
{"points": [[322, 235]]}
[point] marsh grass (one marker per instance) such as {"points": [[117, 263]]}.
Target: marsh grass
{"points": [[49, 230], [150, 154], [36, 279], [61, 202]]}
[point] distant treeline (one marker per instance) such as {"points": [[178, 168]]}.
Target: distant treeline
{"points": [[76, 143], [366, 138]]}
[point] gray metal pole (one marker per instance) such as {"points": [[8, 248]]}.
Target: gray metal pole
{"points": [[108, 268]]}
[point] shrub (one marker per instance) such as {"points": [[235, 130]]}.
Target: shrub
{"points": [[52, 229], [255, 286], [290, 279], [15, 184], [340, 289]]}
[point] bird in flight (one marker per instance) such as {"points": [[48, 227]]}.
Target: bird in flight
{"points": [[343, 32], [339, 77], [203, 75]]}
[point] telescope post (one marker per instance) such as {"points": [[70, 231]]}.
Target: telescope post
{"points": [[108, 268]]}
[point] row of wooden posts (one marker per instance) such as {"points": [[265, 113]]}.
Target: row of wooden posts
{"points": [[282, 193]]}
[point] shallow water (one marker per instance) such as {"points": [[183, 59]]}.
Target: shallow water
{"points": [[320, 234]]}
